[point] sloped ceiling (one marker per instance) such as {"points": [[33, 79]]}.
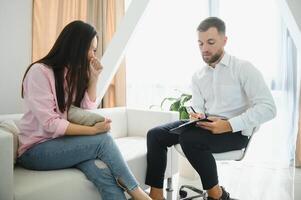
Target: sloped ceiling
{"points": [[295, 7], [291, 14]]}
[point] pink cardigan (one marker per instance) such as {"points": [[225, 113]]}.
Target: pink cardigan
{"points": [[43, 120]]}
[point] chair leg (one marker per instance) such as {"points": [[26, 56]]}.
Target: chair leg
{"points": [[169, 189]]}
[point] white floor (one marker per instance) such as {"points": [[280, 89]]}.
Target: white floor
{"points": [[251, 182]]}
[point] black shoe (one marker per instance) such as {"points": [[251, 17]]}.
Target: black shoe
{"points": [[225, 196]]}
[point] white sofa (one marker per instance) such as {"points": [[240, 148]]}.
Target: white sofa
{"points": [[129, 127]]}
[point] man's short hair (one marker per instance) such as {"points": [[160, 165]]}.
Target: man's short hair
{"points": [[212, 22]]}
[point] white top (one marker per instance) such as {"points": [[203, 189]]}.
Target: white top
{"points": [[235, 90]]}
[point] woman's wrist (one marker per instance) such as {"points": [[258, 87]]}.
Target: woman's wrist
{"points": [[92, 130], [77, 129], [92, 82]]}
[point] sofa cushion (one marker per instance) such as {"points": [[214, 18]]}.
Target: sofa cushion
{"points": [[84, 117], [71, 183], [49, 185], [10, 126]]}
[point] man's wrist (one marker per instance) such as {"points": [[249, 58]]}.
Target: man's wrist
{"points": [[237, 123], [229, 126]]}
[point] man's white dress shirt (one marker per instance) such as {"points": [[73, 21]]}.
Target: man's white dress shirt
{"points": [[235, 90]]}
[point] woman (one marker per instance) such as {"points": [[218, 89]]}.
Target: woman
{"points": [[68, 75]]}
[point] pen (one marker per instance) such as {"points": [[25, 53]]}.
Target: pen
{"points": [[192, 109], [195, 111]]}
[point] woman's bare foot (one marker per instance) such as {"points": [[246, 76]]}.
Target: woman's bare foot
{"points": [[139, 194]]}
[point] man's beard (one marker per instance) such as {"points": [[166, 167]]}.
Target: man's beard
{"points": [[213, 58]]}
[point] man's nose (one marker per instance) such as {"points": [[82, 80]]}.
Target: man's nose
{"points": [[205, 48]]}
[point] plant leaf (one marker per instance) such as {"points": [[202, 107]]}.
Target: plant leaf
{"points": [[183, 113], [185, 98], [175, 106]]}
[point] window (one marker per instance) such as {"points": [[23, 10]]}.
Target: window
{"points": [[254, 33], [164, 53]]}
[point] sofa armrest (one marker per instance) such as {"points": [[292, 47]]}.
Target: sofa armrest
{"points": [[140, 121], [6, 165], [118, 117]]}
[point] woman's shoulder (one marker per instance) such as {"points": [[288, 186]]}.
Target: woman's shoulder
{"points": [[40, 68], [39, 71]]}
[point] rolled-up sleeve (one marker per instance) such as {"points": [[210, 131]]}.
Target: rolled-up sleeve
{"points": [[87, 103], [41, 101]]}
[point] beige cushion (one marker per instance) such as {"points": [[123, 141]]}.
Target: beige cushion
{"points": [[84, 117], [10, 126]]}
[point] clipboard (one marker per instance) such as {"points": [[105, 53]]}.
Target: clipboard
{"points": [[187, 125]]}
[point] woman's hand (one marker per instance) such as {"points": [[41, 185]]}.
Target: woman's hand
{"points": [[102, 127], [77, 129], [95, 70]]}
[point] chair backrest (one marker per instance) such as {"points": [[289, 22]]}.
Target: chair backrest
{"points": [[246, 148]]}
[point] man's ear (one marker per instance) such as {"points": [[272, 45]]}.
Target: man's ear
{"points": [[225, 40]]}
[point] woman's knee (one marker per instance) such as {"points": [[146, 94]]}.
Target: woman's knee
{"points": [[104, 137], [101, 175], [94, 167]]}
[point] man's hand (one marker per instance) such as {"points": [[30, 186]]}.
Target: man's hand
{"points": [[218, 126], [195, 116]]}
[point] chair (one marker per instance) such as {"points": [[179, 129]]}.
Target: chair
{"points": [[236, 155]]}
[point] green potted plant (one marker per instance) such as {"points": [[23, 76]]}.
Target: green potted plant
{"points": [[177, 104]]}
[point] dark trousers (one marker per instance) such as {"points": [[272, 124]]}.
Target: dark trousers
{"points": [[197, 144]]}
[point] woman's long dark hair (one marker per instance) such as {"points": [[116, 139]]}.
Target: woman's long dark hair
{"points": [[70, 51]]}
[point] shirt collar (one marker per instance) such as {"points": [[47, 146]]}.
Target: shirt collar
{"points": [[225, 61]]}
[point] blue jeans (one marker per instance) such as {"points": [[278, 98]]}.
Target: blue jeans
{"points": [[98, 157]]}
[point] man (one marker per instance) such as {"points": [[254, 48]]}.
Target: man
{"points": [[233, 93]]}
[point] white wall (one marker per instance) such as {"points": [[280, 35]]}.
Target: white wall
{"points": [[15, 51]]}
